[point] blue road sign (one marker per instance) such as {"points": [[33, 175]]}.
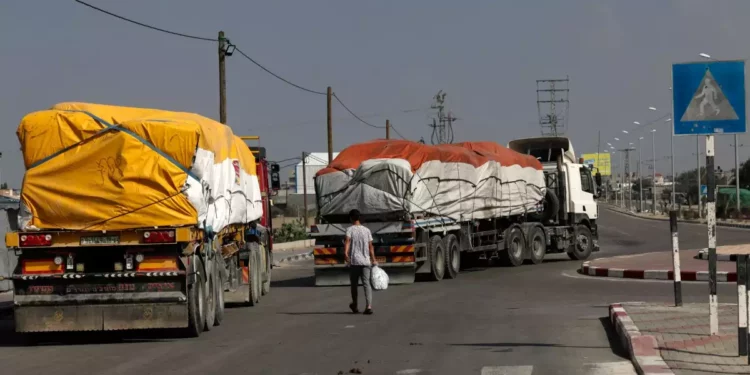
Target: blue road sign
{"points": [[704, 190], [708, 97]]}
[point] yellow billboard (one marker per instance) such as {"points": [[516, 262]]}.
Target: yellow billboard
{"points": [[600, 161]]}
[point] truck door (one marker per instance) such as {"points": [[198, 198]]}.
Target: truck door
{"points": [[588, 193], [582, 190]]}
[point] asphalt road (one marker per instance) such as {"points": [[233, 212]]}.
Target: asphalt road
{"points": [[543, 319]]}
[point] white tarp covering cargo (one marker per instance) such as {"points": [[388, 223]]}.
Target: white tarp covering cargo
{"points": [[471, 180]]}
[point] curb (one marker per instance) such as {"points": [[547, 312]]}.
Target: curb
{"points": [[296, 258], [643, 349], [703, 255], [718, 223], [622, 273]]}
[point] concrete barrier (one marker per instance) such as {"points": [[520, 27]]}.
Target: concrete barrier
{"points": [[293, 245]]}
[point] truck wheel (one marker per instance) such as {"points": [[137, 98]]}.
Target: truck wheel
{"points": [[219, 294], [452, 256], [258, 275], [267, 283], [584, 243], [537, 245], [515, 248], [196, 306], [210, 301], [437, 258], [252, 266]]}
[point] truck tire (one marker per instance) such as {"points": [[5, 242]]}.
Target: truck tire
{"points": [[515, 248], [452, 256], [584, 243], [210, 300], [537, 245], [267, 283], [551, 205], [252, 266], [437, 258], [196, 306], [219, 293], [258, 274]]}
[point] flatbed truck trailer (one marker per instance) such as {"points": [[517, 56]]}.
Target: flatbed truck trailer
{"points": [[141, 278], [408, 244]]}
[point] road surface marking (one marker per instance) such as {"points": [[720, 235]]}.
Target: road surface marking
{"points": [[507, 370], [609, 368]]}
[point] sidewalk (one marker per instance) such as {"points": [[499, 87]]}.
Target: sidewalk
{"points": [[658, 266], [744, 224], [663, 339]]}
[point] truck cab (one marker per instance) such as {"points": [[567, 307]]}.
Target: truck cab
{"points": [[576, 196]]}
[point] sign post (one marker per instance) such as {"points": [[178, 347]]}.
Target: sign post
{"points": [[709, 98]]}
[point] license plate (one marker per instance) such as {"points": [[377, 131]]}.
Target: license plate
{"points": [[380, 259], [100, 240]]}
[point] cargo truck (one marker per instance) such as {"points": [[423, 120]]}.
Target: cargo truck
{"points": [[435, 209], [135, 219]]}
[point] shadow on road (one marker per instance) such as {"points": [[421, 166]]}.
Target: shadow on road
{"points": [[306, 281], [9, 338], [510, 345], [318, 313], [614, 340], [504, 347]]}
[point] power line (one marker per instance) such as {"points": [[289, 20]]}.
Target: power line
{"points": [[355, 115], [238, 50], [397, 133], [201, 38], [278, 76], [146, 25]]}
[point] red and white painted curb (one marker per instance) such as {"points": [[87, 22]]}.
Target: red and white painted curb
{"points": [[622, 273], [643, 349]]}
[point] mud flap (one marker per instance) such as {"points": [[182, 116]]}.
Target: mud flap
{"points": [[338, 275], [100, 317]]}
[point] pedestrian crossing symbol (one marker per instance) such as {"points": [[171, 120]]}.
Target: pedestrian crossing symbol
{"points": [[709, 97], [709, 102]]}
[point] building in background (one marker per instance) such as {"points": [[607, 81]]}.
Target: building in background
{"points": [[314, 162]]}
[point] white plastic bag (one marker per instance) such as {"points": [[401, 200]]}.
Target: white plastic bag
{"points": [[379, 278]]}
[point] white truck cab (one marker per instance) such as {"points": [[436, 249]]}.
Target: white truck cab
{"points": [[577, 196]]}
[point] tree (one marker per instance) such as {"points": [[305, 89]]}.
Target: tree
{"points": [[744, 175]]}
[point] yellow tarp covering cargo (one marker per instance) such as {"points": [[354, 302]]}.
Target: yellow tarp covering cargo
{"points": [[100, 167]]}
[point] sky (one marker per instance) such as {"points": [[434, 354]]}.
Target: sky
{"points": [[384, 59]]}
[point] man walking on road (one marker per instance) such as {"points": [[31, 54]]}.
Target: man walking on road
{"points": [[360, 256]]}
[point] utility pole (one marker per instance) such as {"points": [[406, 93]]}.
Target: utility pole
{"points": [[626, 168], [387, 129], [442, 127], [304, 181], [222, 79], [553, 92], [329, 95]]}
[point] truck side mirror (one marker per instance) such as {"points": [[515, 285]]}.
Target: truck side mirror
{"points": [[598, 178]]}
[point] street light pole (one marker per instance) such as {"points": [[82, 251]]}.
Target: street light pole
{"points": [[737, 173], [640, 176], [698, 172], [653, 172]]}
